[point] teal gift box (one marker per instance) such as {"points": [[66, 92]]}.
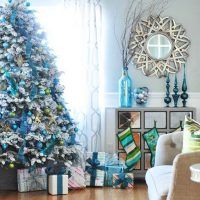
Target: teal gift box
{"points": [[109, 171]]}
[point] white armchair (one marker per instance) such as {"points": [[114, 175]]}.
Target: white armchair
{"points": [[170, 177]]}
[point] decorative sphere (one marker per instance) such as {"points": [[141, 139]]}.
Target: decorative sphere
{"points": [[59, 107], [28, 4], [47, 91], [11, 166], [14, 127], [9, 1], [4, 146], [141, 96], [44, 132], [29, 113], [39, 145], [53, 137], [14, 40], [42, 92], [76, 129], [64, 129], [184, 96], [46, 65], [9, 57], [5, 45], [12, 114], [47, 111], [22, 83], [61, 142]]}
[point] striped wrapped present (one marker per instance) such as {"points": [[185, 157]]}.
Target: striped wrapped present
{"points": [[123, 180], [77, 179]]}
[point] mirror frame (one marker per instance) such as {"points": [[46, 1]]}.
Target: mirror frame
{"points": [[161, 33], [168, 27]]}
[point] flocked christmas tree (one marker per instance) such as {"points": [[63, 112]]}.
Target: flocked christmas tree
{"points": [[35, 124]]}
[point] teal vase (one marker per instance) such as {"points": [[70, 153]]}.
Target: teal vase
{"points": [[125, 90]]}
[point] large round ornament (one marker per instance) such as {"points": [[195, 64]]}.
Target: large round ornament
{"points": [[14, 127], [11, 166], [47, 111], [39, 145], [76, 129], [47, 91], [4, 146], [5, 45], [60, 108], [29, 113], [12, 114]]}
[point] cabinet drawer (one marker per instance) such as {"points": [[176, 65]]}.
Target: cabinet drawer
{"points": [[160, 118], [126, 119], [175, 117]]}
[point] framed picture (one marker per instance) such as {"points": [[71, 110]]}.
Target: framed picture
{"points": [[147, 158], [178, 117], [136, 137], [151, 116], [122, 155], [145, 144], [126, 119]]}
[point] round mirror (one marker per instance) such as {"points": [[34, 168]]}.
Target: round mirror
{"points": [[159, 46]]}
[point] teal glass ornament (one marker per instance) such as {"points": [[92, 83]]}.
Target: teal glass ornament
{"points": [[29, 113], [76, 129], [125, 90], [5, 45]]}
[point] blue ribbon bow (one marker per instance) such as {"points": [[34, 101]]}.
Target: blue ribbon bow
{"points": [[94, 166], [123, 180], [56, 169]]}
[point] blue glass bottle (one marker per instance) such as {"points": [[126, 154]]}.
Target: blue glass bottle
{"points": [[125, 89]]}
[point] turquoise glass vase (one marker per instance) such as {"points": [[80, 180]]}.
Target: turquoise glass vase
{"points": [[125, 90]]}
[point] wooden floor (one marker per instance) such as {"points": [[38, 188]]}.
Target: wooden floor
{"points": [[138, 193]]}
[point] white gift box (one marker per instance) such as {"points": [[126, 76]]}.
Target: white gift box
{"points": [[57, 184]]}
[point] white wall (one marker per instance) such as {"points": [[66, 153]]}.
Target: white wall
{"points": [[185, 12]]}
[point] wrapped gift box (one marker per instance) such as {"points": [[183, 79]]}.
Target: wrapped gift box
{"points": [[95, 166], [77, 179], [123, 180], [109, 171], [57, 184], [33, 181]]}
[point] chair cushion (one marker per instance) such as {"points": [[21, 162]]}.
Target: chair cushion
{"points": [[191, 135], [158, 181]]}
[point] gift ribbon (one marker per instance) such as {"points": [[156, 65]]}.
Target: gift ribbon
{"points": [[59, 184], [55, 169], [94, 166], [123, 180]]}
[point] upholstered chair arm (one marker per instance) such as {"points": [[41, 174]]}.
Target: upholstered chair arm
{"points": [[181, 186], [168, 146]]}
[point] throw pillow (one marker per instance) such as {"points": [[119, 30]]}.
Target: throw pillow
{"points": [[191, 135], [133, 152], [151, 138]]}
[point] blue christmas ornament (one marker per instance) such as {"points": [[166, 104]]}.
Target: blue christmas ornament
{"points": [[14, 127], [53, 137], [14, 40], [39, 145], [76, 129], [2, 19], [22, 83], [5, 45], [55, 81], [29, 113], [28, 4], [44, 132], [13, 17], [9, 57], [4, 146], [64, 129], [9, 1], [46, 65], [42, 92]]}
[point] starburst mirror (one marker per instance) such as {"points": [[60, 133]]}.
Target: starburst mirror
{"points": [[159, 46]]}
